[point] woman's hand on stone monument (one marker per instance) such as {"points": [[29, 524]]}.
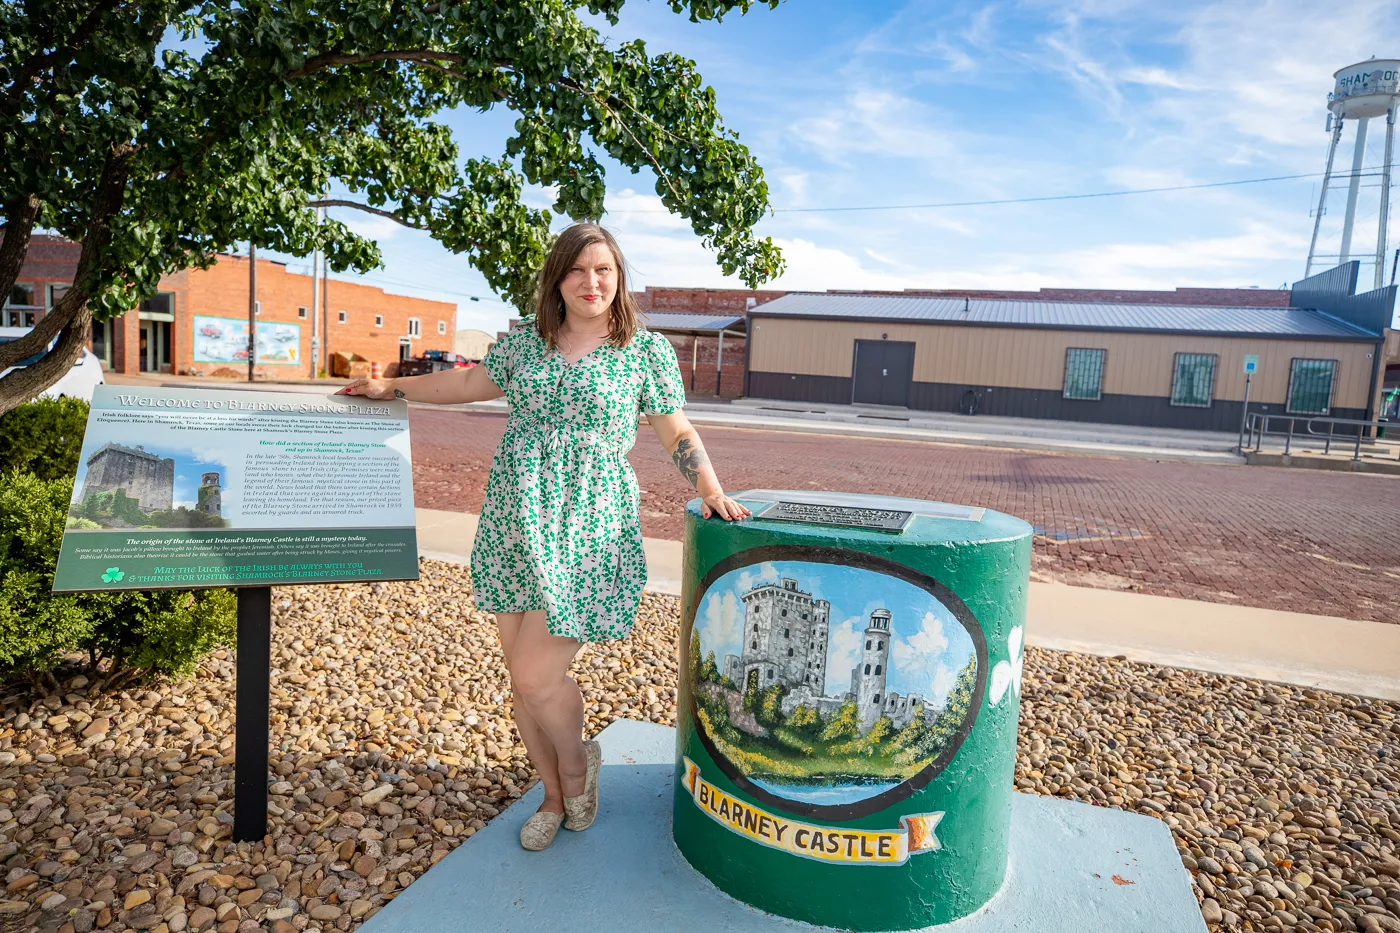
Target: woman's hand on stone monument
{"points": [[369, 388]]}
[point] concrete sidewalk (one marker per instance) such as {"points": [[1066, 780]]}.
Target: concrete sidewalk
{"points": [[1342, 655]]}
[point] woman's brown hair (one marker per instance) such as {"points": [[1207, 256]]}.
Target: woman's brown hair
{"points": [[624, 319]]}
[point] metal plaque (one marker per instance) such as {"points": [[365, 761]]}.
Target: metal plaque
{"points": [[846, 516]]}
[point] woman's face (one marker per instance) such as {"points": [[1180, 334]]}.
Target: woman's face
{"points": [[589, 287]]}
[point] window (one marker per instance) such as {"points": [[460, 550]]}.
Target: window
{"points": [[879, 645], [789, 652], [867, 644], [785, 613], [867, 668], [1084, 374], [301, 312], [22, 294], [1310, 386], [415, 327], [442, 327], [877, 668], [342, 316], [1193, 378], [877, 698], [379, 320], [787, 633], [754, 645]]}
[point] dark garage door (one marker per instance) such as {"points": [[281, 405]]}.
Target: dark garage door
{"points": [[884, 372]]}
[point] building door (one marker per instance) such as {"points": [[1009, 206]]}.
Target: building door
{"points": [[147, 345], [884, 370]]}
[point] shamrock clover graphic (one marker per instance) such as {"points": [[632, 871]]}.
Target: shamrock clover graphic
{"points": [[1008, 673], [113, 575]]}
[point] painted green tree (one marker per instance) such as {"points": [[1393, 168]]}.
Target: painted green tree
{"points": [[159, 134], [944, 725], [843, 724], [769, 707]]}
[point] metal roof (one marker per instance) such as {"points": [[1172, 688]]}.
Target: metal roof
{"points": [[1276, 322], [675, 322]]}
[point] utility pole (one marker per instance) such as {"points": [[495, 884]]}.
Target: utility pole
{"points": [[252, 307]]}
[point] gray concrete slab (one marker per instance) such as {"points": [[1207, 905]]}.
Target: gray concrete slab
{"points": [[1074, 867]]}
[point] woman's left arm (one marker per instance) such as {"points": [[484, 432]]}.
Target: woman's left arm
{"points": [[682, 442]]}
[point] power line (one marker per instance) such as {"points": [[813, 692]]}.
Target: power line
{"points": [[1034, 200]]}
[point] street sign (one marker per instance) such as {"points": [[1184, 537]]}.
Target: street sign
{"points": [[1251, 364]]}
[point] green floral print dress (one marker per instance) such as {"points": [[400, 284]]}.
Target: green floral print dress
{"points": [[560, 529]]}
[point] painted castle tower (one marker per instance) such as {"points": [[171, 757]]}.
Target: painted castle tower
{"points": [[784, 641], [210, 495], [869, 676]]}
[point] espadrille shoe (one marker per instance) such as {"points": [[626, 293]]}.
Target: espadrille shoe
{"points": [[583, 809], [539, 830]]}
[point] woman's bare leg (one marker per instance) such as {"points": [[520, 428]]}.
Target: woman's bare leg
{"points": [[531, 662], [539, 673]]}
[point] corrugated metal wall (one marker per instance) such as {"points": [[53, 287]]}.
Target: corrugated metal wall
{"points": [[1136, 364]]}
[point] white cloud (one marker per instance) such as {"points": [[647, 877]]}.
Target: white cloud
{"points": [[944, 680], [843, 653], [723, 622], [641, 210], [766, 573]]}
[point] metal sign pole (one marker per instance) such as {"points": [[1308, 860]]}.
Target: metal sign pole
{"points": [[251, 727], [1244, 416]]}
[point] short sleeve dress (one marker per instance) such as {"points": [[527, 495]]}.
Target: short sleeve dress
{"points": [[560, 529]]}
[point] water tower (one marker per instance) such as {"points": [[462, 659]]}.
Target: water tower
{"points": [[1363, 91]]}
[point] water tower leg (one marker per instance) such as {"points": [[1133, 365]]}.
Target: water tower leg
{"points": [[1358, 156], [1322, 198], [1383, 233]]}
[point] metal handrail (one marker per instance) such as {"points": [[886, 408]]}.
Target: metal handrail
{"points": [[1258, 427]]}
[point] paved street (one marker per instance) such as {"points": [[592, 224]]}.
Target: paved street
{"points": [[1300, 540]]}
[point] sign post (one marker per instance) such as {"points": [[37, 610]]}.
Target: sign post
{"points": [[193, 488], [1251, 366]]}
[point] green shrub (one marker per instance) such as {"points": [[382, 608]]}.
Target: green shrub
{"points": [[156, 632], [43, 437]]}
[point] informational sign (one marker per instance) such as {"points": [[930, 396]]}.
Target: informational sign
{"points": [[187, 488], [1251, 364], [844, 515], [225, 340]]}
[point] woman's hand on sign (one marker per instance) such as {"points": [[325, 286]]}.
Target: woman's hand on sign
{"points": [[369, 388], [717, 503]]}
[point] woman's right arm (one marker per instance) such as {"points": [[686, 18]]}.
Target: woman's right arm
{"points": [[449, 387]]}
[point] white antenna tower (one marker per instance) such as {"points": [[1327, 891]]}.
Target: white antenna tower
{"points": [[1364, 90]]}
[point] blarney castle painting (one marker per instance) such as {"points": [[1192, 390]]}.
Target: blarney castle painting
{"points": [[825, 683]]}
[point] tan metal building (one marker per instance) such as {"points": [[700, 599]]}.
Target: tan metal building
{"points": [[1165, 365]]}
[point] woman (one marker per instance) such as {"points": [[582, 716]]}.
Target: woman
{"points": [[558, 552]]}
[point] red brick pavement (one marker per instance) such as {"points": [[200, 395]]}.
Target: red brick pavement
{"points": [[1301, 540]]}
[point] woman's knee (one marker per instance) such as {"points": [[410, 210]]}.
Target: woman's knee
{"points": [[534, 683]]}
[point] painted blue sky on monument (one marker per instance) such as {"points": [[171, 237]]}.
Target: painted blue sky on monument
{"points": [[928, 648]]}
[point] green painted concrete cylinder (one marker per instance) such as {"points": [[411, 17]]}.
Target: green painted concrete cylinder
{"points": [[850, 688]]}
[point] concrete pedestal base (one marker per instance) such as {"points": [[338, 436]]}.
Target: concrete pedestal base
{"points": [[1074, 867]]}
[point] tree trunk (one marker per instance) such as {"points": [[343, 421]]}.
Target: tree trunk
{"points": [[19, 224], [71, 319]]}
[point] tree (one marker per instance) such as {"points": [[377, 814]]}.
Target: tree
{"points": [[158, 162], [769, 709], [843, 724]]}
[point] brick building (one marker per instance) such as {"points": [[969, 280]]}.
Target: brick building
{"points": [[196, 324]]}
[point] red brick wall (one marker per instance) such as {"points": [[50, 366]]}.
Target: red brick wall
{"points": [[222, 291], [702, 300], [732, 383]]}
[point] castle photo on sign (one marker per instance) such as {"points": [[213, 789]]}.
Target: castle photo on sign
{"points": [[139, 486], [826, 683]]}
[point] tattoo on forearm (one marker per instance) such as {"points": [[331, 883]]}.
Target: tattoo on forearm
{"points": [[690, 457]]}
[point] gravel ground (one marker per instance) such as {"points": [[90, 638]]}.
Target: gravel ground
{"points": [[393, 746]]}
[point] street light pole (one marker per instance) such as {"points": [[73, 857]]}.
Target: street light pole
{"points": [[252, 306]]}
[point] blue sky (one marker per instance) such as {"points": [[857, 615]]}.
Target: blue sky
{"points": [[880, 103], [929, 647]]}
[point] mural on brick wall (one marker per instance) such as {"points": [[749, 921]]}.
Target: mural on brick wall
{"points": [[830, 684], [225, 340]]}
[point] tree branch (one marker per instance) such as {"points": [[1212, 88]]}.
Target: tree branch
{"points": [[18, 226], [335, 202], [25, 73], [331, 59], [107, 203]]}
